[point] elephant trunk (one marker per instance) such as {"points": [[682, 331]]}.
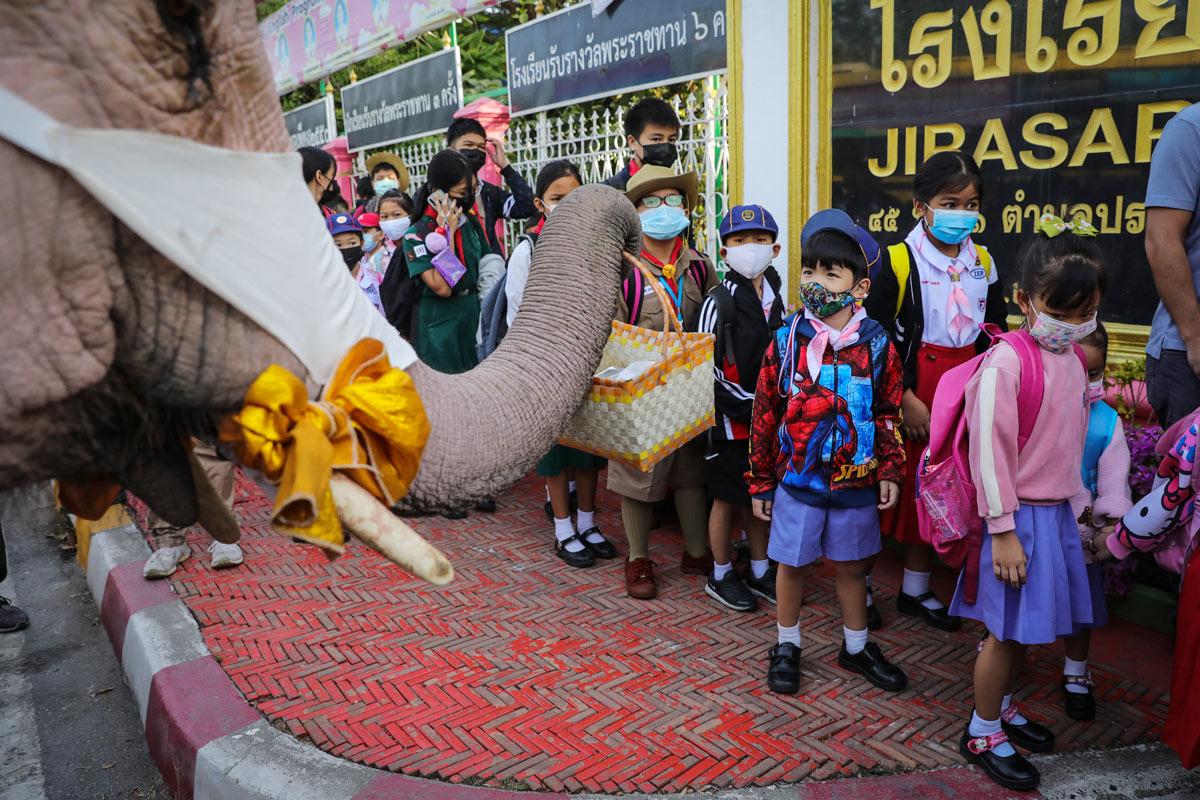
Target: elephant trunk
{"points": [[492, 424]]}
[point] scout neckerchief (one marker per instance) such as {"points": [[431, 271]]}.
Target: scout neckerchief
{"points": [[672, 285]]}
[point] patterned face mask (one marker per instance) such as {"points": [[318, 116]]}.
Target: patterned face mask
{"points": [[822, 302], [1056, 335]]}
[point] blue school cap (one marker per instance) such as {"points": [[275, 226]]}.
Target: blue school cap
{"points": [[748, 218], [343, 223], [834, 219]]}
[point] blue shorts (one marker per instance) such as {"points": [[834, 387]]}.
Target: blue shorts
{"points": [[800, 533]]}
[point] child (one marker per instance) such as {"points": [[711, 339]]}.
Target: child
{"points": [[825, 434], [743, 312], [372, 239], [579, 545], [348, 236], [493, 203], [1105, 499], [664, 202], [935, 328], [1037, 589], [394, 208], [651, 131]]}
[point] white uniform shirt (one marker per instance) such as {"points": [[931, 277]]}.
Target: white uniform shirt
{"points": [[931, 267]]}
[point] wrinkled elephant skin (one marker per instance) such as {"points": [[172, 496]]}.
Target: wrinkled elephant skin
{"points": [[109, 355]]}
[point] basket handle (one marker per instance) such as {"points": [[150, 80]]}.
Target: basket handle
{"points": [[669, 320]]}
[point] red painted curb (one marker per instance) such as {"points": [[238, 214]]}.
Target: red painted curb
{"points": [[126, 592], [190, 705]]}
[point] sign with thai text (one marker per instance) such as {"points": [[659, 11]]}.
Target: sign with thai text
{"points": [[308, 39], [1059, 101], [575, 55], [312, 124], [411, 100]]}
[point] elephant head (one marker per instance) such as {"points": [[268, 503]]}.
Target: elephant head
{"points": [[109, 354]]}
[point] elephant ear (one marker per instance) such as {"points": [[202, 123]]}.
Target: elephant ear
{"points": [[277, 265]]}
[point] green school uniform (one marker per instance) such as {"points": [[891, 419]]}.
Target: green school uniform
{"points": [[446, 326]]}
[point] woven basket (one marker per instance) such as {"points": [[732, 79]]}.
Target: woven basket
{"points": [[642, 421]]}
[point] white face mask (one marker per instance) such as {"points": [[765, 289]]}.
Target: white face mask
{"points": [[751, 259], [394, 228], [298, 273], [549, 208]]}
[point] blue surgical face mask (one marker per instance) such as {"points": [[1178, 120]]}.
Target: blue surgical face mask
{"points": [[664, 222], [384, 185], [952, 226], [369, 242]]}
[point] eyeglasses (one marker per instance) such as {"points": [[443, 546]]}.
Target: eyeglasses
{"points": [[654, 201]]}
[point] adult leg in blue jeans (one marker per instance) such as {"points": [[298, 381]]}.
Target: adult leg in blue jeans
{"points": [[1172, 389]]}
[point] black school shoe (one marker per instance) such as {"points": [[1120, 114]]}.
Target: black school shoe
{"points": [[1033, 736], [764, 587], [12, 619], [939, 618], [579, 558], [871, 664], [601, 549], [731, 592], [783, 674], [1012, 772], [1080, 706], [574, 504]]}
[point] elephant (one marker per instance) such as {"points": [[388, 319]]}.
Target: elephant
{"points": [[110, 355]]}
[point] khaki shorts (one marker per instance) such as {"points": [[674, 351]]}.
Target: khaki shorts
{"points": [[683, 469]]}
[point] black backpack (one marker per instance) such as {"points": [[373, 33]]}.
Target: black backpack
{"points": [[725, 313], [401, 294]]}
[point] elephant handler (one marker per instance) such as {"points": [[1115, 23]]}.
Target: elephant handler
{"points": [[172, 545], [664, 201]]}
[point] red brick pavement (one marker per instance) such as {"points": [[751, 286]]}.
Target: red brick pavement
{"points": [[527, 673]]}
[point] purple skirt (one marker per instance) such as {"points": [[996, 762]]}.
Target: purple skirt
{"points": [[1056, 598], [800, 533]]}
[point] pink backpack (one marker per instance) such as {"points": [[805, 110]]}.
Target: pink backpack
{"points": [[947, 511]]}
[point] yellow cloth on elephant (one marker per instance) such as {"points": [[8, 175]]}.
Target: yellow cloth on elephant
{"points": [[369, 424]]}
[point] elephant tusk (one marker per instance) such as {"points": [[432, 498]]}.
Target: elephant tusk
{"points": [[368, 519]]}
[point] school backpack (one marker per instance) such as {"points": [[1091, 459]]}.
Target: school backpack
{"points": [[493, 311], [401, 294], [947, 510], [725, 313], [901, 260], [633, 287]]}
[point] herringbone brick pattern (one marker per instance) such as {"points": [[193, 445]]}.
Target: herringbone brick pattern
{"points": [[526, 672]]}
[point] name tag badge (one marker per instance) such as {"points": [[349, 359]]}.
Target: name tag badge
{"points": [[978, 273], [419, 251], [647, 290]]}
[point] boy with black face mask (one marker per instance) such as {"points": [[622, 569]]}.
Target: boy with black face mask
{"points": [[651, 131], [348, 236], [492, 203]]}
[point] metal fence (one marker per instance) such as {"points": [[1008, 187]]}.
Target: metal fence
{"points": [[593, 138]]}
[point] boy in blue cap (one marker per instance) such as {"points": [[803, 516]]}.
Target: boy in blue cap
{"points": [[825, 448], [348, 236], [742, 312]]}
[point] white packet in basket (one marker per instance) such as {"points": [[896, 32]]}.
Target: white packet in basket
{"points": [[627, 373]]}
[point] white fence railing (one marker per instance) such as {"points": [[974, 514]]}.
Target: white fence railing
{"points": [[594, 139]]}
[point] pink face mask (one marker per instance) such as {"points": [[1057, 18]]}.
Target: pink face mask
{"points": [[1096, 391]]}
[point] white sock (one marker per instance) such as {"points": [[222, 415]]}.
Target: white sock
{"points": [[586, 520], [791, 634], [986, 727], [721, 570], [759, 568], [563, 530], [917, 584], [1018, 718], [1078, 669], [855, 640]]}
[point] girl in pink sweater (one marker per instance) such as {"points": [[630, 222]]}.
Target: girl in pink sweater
{"points": [[1037, 588]]}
